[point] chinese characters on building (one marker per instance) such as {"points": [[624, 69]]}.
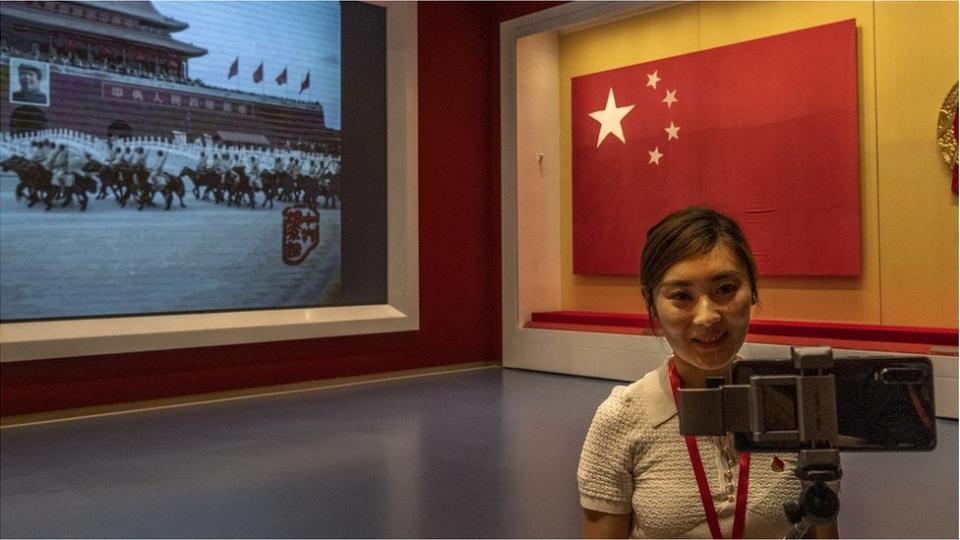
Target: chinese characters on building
{"points": [[158, 96]]}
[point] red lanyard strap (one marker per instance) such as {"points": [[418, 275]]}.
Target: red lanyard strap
{"points": [[739, 516], [743, 484]]}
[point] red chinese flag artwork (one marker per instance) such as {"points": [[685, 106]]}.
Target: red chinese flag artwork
{"points": [[765, 131]]}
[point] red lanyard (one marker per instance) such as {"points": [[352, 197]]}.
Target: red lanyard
{"points": [[739, 514]]}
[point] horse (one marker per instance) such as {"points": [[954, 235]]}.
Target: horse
{"points": [[173, 186], [192, 175], [239, 188], [147, 189], [82, 184], [34, 177], [208, 179], [288, 187], [331, 190], [141, 187], [16, 163], [312, 190], [269, 187], [135, 184], [110, 178]]}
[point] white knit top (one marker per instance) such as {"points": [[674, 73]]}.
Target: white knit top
{"points": [[634, 460]]}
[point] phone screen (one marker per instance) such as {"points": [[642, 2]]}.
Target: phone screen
{"points": [[883, 403]]}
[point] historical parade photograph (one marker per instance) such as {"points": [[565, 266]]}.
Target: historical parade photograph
{"points": [[155, 159]]}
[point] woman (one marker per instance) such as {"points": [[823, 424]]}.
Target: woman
{"points": [[637, 474]]}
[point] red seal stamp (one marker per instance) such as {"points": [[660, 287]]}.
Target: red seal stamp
{"points": [[301, 233]]}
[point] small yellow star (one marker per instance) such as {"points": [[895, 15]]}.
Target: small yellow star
{"points": [[652, 80], [673, 132], [655, 156], [671, 98]]}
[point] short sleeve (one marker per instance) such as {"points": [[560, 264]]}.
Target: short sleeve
{"points": [[604, 477]]}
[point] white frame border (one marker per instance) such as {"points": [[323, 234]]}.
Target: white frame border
{"points": [[83, 337], [529, 173]]}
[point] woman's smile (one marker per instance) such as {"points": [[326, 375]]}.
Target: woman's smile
{"points": [[710, 341]]}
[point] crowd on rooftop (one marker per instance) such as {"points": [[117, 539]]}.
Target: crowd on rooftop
{"points": [[82, 58]]}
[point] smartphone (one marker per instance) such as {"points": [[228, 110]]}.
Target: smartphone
{"points": [[882, 403]]}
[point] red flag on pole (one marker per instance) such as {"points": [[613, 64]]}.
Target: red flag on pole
{"points": [[258, 74], [766, 131], [234, 68], [306, 83], [282, 77]]}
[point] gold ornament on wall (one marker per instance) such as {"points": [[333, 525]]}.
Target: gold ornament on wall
{"points": [[947, 132]]}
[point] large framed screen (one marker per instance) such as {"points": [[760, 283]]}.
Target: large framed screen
{"points": [[192, 173]]}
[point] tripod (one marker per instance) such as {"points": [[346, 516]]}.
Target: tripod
{"points": [[818, 471]]}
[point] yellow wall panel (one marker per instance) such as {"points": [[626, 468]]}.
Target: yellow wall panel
{"points": [[892, 257], [916, 66]]}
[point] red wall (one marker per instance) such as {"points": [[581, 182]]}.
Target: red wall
{"points": [[459, 253]]}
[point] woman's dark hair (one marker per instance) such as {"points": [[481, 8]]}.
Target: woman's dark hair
{"points": [[691, 232]]}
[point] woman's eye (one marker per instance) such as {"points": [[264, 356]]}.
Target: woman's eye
{"points": [[727, 290], [679, 296]]}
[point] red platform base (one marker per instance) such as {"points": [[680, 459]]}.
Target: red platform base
{"points": [[917, 340]]}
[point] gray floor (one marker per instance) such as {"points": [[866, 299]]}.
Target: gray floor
{"points": [[486, 453]]}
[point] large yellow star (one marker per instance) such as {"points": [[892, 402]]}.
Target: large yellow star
{"points": [[610, 118]]}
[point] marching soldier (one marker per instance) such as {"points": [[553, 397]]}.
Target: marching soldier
{"points": [[49, 150], [113, 158], [124, 165], [316, 168], [157, 175], [140, 170], [217, 164], [202, 165], [253, 171], [140, 160], [126, 159], [39, 152], [293, 167], [226, 168], [60, 166]]}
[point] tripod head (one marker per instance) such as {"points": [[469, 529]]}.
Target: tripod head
{"points": [[818, 471]]}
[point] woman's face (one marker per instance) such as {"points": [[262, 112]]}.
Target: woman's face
{"points": [[703, 306]]}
